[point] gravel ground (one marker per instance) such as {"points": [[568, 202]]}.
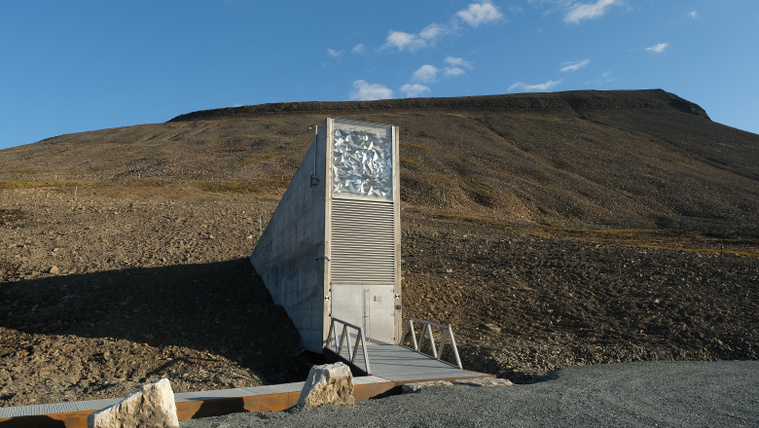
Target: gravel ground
{"points": [[674, 394]]}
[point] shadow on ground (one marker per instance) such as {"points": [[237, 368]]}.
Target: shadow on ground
{"points": [[221, 308]]}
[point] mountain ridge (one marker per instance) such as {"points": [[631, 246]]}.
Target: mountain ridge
{"points": [[577, 101]]}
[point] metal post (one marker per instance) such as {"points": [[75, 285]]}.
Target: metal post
{"points": [[432, 341], [366, 355], [427, 329], [331, 333], [345, 338], [455, 348], [413, 334]]}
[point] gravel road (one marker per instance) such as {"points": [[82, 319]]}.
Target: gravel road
{"points": [[674, 394]]}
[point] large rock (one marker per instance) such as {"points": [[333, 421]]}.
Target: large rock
{"points": [[327, 384], [150, 406]]}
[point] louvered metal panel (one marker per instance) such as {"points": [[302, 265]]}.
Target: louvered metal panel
{"points": [[363, 242]]}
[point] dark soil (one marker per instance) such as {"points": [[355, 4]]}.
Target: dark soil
{"points": [[100, 296], [549, 230], [526, 303]]}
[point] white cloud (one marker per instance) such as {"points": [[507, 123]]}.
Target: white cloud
{"points": [[458, 62], [454, 71], [455, 66], [480, 13], [426, 74], [335, 54], [404, 41], [693, 14], [433, 32], [358, 49], [411, 42], [579, 12], [575, 65], [414, 90], [365, 91], [534, 88], [475, 14], [657, 48]]}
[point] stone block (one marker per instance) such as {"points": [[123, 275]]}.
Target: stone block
{"points": [[150, 406], [413, 387], [327, 384], [483, 381]]}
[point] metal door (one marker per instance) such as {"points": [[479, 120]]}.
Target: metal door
{"points": [[370, 307]]}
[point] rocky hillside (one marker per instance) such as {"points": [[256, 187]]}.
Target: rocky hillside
{"points": [[549, 229], [619, 159]]}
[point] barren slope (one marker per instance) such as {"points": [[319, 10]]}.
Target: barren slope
{"points": [[550, 229], [636, 159]]}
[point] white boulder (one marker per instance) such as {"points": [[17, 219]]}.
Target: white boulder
{"points": [[327, 384], [150, 406]]}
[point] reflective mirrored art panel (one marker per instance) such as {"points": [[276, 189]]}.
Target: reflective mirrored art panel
{"points": [[362, 161]]}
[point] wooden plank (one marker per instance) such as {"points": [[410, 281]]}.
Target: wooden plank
{"points": [[222, 406]]}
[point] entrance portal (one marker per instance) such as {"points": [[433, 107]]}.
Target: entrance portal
{"points": [[371, 307]]}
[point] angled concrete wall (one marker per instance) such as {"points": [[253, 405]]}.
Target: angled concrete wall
{"points": [[289, 255]]}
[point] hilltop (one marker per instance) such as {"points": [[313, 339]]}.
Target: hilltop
{"points": [[632, 159], [550, 229]]}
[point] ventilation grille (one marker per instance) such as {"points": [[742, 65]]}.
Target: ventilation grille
{"points": [[363, 242]]}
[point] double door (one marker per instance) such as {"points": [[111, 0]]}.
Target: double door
{"points": [[371, 307]]}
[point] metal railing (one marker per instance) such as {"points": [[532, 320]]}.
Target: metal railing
{"points": [[345, 339], [427, 332]]}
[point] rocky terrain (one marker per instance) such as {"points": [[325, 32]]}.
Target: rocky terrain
{"points": [[551, 230]]}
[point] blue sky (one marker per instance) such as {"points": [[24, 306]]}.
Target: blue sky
{"points": [[71, 66]]}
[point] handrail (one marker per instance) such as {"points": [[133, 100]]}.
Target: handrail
{"points": [[427, 330], [345, 339]]}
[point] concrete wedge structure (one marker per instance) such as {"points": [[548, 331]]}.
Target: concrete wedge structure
{"points": [[332, 246]]}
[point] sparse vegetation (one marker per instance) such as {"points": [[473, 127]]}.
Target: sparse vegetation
{"points": [[53, 185]]}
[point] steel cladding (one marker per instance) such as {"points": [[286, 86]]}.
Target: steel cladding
{"points": [[362, 163]]}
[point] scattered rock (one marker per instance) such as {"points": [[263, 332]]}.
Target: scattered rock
{"points": [[54, 270], [492, 327], [150, 406], [483, 381], [558, 301], [327, 384], [413, 387]]}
